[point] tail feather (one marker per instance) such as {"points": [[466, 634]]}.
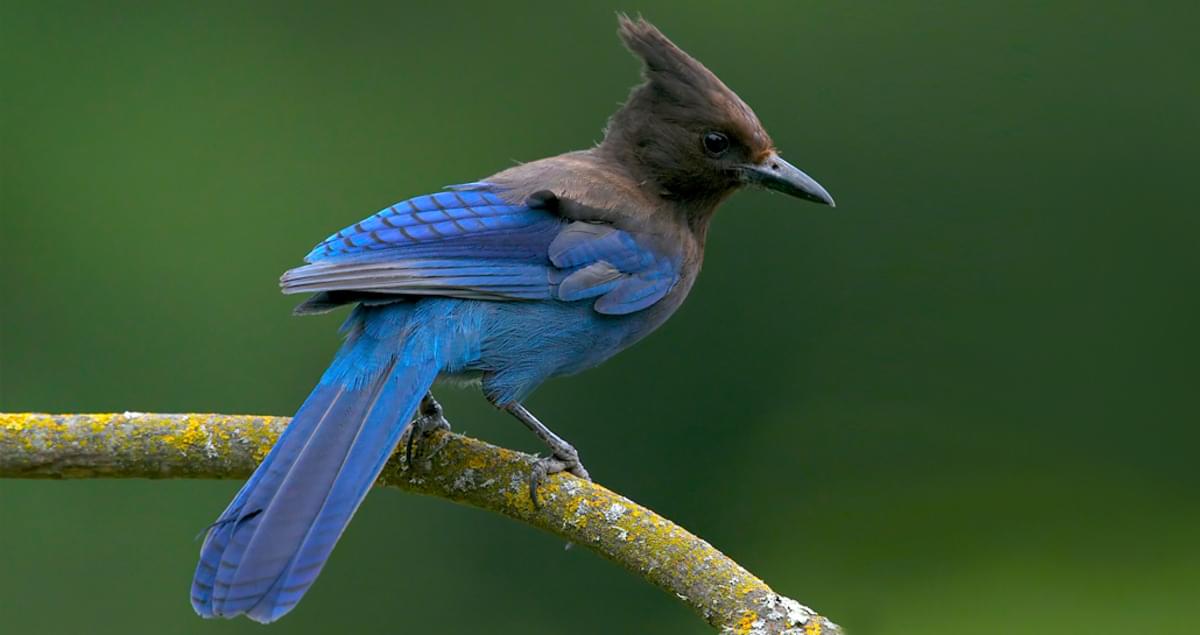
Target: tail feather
{"points": [[359, 471], [273, 539], [233, 518]]}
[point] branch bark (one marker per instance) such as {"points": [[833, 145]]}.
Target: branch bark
{"points": [[450, 466]]}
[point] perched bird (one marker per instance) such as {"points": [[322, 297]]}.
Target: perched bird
{"points": [[544, 269]]}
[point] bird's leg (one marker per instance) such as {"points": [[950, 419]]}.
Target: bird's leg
{"points": [[429, 419], [563, 458]]}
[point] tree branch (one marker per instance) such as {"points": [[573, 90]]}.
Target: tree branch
{"points": [[450, 466]]}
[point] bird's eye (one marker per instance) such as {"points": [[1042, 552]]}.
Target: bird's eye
{"points": [[716, 143]]}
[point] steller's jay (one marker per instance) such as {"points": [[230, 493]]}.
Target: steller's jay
{"points": [[547, 268]]}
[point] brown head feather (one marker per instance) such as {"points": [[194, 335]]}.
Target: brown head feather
{"points": [[660, 128]]}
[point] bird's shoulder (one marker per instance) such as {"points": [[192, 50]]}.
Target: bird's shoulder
{"points": [[599, 191], [583, 177]]}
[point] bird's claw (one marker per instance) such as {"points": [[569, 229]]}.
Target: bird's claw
{"points": [[564, 460], [428, 420]]}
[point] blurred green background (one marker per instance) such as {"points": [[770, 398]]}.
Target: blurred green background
{"points": [[962, 402]]}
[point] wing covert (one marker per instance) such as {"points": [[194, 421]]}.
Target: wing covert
{"points": [[435, 224], [469, 242], [598, 260]]}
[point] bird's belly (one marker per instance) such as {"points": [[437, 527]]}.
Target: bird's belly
{"points": [[524, 343]]}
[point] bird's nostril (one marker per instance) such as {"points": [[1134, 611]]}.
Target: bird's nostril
{"points": [[775, 166]]}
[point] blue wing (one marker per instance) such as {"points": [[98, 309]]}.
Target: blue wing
{"points": [[594, 260], [471, 243]]}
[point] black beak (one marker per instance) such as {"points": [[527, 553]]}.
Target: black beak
{"points": [[776, 174]]}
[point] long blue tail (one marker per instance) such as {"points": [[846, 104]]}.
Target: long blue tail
{"points": [[269, 545]]}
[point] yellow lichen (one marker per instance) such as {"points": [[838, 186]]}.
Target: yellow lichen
{"points": [[260, 437], [28, 421], [193, 434], [746, 623], [12, 422], [746, 586], [101, 421]]}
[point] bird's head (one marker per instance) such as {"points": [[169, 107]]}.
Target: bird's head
{"points": [[685, 133]]}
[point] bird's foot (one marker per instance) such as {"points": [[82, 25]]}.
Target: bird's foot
{"points": [[564, 459], [563, 456], [429, 420]]}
